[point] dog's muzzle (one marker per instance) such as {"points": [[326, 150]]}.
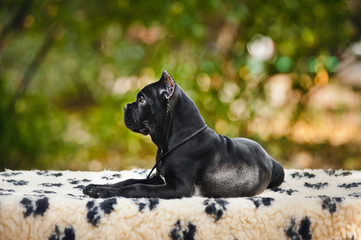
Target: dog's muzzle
{"points": [[131, 120]]}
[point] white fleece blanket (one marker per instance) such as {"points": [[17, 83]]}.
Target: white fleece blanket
{"points": [[310, 204]]}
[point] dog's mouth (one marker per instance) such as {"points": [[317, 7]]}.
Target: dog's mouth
{"points": [[129, 123], [143, 131], [133, 124]]}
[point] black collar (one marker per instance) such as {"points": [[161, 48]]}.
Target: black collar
{"points": [[176, 146]]}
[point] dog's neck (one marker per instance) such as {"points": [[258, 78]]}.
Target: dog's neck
{"points": [[183, 120]]}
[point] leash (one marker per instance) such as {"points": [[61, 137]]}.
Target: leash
{"points": [[176, 146]]}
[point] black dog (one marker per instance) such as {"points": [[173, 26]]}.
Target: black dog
{"points": [[192, 159]]}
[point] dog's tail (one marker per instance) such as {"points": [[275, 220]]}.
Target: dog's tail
{"points": [[278, 174]]}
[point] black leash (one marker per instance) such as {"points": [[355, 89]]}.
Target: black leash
{"points": [[176, 146]]}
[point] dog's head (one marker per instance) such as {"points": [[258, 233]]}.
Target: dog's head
{"points": [[148, 112]]}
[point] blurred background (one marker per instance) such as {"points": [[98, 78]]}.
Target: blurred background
{"points": [[285, 73]]}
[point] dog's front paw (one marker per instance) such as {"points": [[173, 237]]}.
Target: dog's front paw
{"points": [[99, 192], [89, 189]]}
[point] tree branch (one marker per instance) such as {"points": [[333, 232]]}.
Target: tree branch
{"points": [[30, 72], [15, 25]]}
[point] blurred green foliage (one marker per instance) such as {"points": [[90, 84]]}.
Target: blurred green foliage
{"points": [[255, 69]]}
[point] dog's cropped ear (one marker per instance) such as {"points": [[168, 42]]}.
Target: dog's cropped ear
{"points": [[168, 83]]}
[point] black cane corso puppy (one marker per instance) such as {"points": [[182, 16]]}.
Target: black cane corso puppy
{"points": [[192, 159]]}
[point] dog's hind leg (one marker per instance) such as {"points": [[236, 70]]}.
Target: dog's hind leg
{"points": [[277, 176]]}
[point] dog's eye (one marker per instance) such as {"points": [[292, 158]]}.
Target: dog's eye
{"points": [[141, 99]]}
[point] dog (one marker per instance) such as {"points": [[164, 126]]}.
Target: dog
{"points": [[192, 159]]}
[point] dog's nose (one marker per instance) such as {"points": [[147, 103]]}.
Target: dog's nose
{"points": [[126, 107]]}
